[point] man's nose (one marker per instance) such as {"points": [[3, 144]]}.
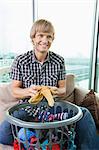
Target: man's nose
{"points": [[45, 39]]}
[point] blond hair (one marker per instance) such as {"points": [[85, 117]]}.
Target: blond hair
{"points": [[42, 25]]}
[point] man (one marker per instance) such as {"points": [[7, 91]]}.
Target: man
{"points": [[43, 67], [40, 66]]}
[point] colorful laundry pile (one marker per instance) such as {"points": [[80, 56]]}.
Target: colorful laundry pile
{"points": [[43, 113]]}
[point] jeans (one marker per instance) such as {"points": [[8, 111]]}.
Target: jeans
{"points": [[86, 136], [85, 139]]}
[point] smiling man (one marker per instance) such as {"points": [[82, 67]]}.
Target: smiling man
{"points": [[39, 67]]}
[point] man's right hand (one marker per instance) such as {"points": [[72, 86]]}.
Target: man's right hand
{"points": [[33, 89]]}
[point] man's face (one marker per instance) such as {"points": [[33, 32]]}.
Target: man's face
{"points": [[42, 41]]}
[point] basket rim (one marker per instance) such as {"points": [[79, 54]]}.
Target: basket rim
{"points": [[45, 125]]}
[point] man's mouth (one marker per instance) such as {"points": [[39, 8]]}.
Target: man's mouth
{"points": [[44, 46]]}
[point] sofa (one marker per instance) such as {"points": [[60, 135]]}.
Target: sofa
{"points": [[73, 94]]}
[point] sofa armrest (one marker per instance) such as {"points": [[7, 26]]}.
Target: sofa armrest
{"points": [[6, 99], [79, 94]]}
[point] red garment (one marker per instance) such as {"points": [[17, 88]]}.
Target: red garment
{"points": [[16, 145], [33, 140], [54, 147]]}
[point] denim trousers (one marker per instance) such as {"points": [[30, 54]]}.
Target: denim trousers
{"points": [[86, 137]]}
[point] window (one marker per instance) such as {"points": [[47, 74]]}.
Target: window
{"points": [[74, 24], [97, 75], [15, 24], [97, 67], [97, 51]]}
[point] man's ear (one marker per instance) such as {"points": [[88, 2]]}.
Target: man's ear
{"points": [[53, 37], [32, 41]]}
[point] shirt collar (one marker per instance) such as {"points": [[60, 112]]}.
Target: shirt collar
{"points": [[34, 59]]}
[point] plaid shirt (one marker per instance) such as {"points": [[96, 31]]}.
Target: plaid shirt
{"points": [[30, 71]]}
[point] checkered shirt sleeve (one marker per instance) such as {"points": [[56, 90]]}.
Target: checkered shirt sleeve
{"points": [[15, 73]]}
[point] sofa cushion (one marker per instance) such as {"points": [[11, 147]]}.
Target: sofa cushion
{"points": [[6, 99], [90, 102]]}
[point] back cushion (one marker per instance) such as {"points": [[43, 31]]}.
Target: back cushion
{"points": [[90, 102]]}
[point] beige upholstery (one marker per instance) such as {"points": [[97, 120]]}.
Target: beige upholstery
{"points": [[80, 94], [5, 147], [70, 85], [6, 99]]}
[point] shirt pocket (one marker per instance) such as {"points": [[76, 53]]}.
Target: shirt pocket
{"points": [[29, 77], [53, 79]]}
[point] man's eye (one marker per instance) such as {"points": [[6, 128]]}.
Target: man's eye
{"points": [[49, 37], [40, 35]]}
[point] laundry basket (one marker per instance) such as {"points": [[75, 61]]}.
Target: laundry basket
{"points": [[42, 127]]}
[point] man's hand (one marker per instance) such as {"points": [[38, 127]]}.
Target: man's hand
{"points": [[36, 88], [33, 89], [54, 90], [57, 91]]}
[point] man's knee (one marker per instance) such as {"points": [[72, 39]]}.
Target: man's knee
{"points": [[86, 112], [6, 136], [87, 118]]}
